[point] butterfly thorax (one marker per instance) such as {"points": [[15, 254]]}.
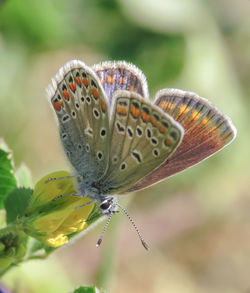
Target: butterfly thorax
{"points": [[89, 189], [94, 191]]}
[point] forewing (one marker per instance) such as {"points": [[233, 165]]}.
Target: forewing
{"points": [[80, 104], [142, 138], [120, 75], [207, 131]]}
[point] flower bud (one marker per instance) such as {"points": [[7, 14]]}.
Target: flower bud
{"points": [[52, 217]]}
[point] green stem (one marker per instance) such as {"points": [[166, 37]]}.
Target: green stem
{"points": [[108, 260]]}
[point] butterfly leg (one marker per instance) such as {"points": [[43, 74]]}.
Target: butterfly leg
{"points": [[59, 178], [71, 194], [84, 205]]}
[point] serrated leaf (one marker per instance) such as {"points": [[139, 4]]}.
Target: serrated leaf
{"points": [[87, 290], [7, 179], [16, 203]]}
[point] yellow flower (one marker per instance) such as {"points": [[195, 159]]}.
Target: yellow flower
{"points": [[51, 221]]}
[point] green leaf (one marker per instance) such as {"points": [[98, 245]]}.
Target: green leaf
{"points": [[16, 203], [87, 290], [7, 179]]}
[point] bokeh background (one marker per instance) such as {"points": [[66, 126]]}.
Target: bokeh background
{"points": [[197, 223]]}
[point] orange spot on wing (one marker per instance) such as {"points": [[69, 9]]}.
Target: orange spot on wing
{"points": [[144, 116], [121, 110], [103, 106], [205, 121], [153, 121], [72, 86], [95, 92], [163, 105], [66, 95], [57, 105], [162, 129], [195, 115], [85, 81], [167, 105], [132, 89], [182, 113], [170, 106], [213, 129], [122, 80], [110, 79], [134, 111], [78, 81], [168, 142], [184, 109]]}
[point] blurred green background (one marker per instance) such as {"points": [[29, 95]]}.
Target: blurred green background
{"points": [[196, 223]]}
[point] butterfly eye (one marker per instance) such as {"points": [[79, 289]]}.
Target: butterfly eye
{"points": [[105, 205]]}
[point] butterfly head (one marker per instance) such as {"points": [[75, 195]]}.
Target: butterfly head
{"points": [[108, 205]]}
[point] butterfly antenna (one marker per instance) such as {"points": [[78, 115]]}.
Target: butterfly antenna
{"points": [[103, 231], [145, 245], [59, 178]]}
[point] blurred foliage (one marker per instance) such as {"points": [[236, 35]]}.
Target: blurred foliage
{"points": [[87, 290], [52, 24], [197, 222]]}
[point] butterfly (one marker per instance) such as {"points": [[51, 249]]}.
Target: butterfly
{"points": [[118, 141]]}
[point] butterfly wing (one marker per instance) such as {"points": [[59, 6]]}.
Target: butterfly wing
{"points": [[142, 138], [80, 104], [207, 131], [120, 75]]}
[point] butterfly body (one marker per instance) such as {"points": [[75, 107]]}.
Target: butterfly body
{"points": [[118, 141]]}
